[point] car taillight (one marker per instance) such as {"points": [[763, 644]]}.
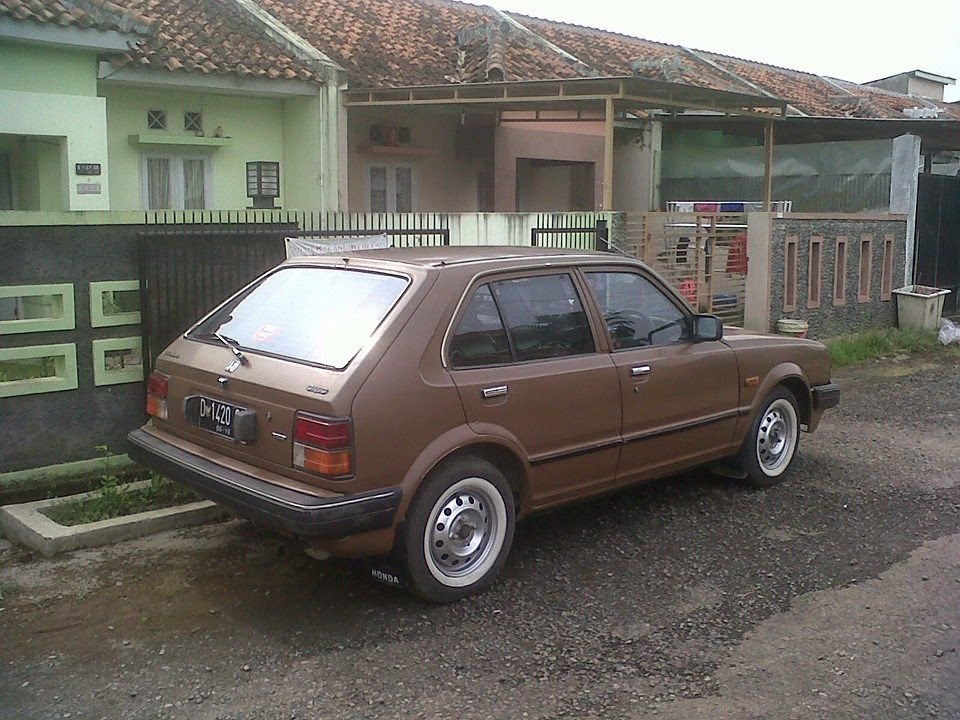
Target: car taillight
{"points": [[323, 446], [158, 387]]}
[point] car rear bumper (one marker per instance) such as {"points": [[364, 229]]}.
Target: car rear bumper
{"points": [[280, 508], [825, 396]]}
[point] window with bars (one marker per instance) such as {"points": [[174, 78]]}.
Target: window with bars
{"points": [[193, 122], [156, 119]]}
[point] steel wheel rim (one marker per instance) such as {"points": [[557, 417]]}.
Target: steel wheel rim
{"points": [[465, 532], [776, 437]]}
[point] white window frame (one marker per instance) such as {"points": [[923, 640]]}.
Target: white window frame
{"points": [[176, 179], [392, 185]]}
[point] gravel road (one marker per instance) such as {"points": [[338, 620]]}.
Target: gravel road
{"points": [[834, 595]]}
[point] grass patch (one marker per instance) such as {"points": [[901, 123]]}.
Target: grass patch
{"points": [[884, 343], [114, 500]]}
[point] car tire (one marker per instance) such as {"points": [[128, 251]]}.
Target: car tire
{"points": [[771, 444], [458, 530]]}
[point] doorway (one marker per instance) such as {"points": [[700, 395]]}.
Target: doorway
{"points": [[555, 185]]}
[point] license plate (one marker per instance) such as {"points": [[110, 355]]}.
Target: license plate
{"points": [[215, 416]]}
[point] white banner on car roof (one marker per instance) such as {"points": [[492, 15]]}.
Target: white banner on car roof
{"points": [[300, 247]]}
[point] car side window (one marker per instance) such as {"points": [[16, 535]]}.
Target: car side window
{"points": [[544, 316], [636, 311], [480, 338]]}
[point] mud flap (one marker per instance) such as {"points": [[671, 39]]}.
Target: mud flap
{"points": [[387, 572], [728, 467]]}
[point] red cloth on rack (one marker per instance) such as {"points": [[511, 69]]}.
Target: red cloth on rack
{"points": [[737, 255]]}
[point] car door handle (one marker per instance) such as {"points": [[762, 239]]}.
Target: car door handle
{"points": [[640, 371], [492, 392]]}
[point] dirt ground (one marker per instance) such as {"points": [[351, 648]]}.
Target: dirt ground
{"points": [[833, 595]]}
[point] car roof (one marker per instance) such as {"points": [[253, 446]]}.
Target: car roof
{"points": [[445, 255]]}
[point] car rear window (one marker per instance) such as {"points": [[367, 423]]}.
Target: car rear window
{"points": [[321, 316]]}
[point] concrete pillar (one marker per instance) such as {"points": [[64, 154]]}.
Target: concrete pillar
{"points": [[608, 157], [636, 168], [756, 311], [904, 182]]}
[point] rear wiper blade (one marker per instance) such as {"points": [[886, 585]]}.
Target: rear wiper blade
{"points": [[232, 344], [228, 342]]}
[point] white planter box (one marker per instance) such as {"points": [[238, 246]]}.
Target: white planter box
{"points": [[919, 306], [27, 523]]}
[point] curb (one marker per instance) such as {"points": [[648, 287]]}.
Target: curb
{"points": [[26, 524], [35, 483]]}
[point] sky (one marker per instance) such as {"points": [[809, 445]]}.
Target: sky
{"points": [[847, 39]]}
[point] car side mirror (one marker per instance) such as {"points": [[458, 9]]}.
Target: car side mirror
{"points": [[706, 327]]}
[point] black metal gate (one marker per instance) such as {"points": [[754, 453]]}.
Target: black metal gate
{"points": [[584, 231], [938, 235], [185, 270]]}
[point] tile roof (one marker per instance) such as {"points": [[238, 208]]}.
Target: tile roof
{"points": [[897, 104], [213, 37], [499, 50], [613, 54], [807, 93], [394, 43], [383, 42], [81, 14]]}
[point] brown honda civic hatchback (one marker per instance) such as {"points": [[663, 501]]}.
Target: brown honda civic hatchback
{"points": [[413, 404]]}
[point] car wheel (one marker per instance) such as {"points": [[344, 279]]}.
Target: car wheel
{"points": [[458, 530], [771, 444]]}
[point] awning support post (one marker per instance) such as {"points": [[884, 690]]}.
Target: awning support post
{"points": [[768, 167], [608, 157]]}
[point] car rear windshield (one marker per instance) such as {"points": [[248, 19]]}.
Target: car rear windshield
{"points": [[321, 316]]}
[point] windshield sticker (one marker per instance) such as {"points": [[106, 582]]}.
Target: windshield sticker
{"points": [[266, 333]]}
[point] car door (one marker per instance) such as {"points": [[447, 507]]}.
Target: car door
{"points": [[525, 361], [680, 398]]}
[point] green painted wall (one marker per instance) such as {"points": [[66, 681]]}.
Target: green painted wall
{"points": [[50, 119], [253, 125], [37, 68], [301, 166]]}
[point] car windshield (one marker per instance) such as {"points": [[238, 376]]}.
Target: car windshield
{"points": [[316, 315]]}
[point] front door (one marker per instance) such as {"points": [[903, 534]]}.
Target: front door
{"points": [[525, 362], [679, 397]]}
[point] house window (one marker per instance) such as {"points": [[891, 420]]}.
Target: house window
{"points": [[840, 273], [866, 266], [174, 182], [156, 119], [886, 278], [392, 188], [790, 274], [815, 264], [193, 122]]}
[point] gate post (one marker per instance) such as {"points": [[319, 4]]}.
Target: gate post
{"points": [[756, 302]]}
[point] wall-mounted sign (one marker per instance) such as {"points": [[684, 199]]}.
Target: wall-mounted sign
{"points": [[88, 188], [87, 168]]}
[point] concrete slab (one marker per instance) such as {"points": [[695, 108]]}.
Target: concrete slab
{"points": [[26, 523]]}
